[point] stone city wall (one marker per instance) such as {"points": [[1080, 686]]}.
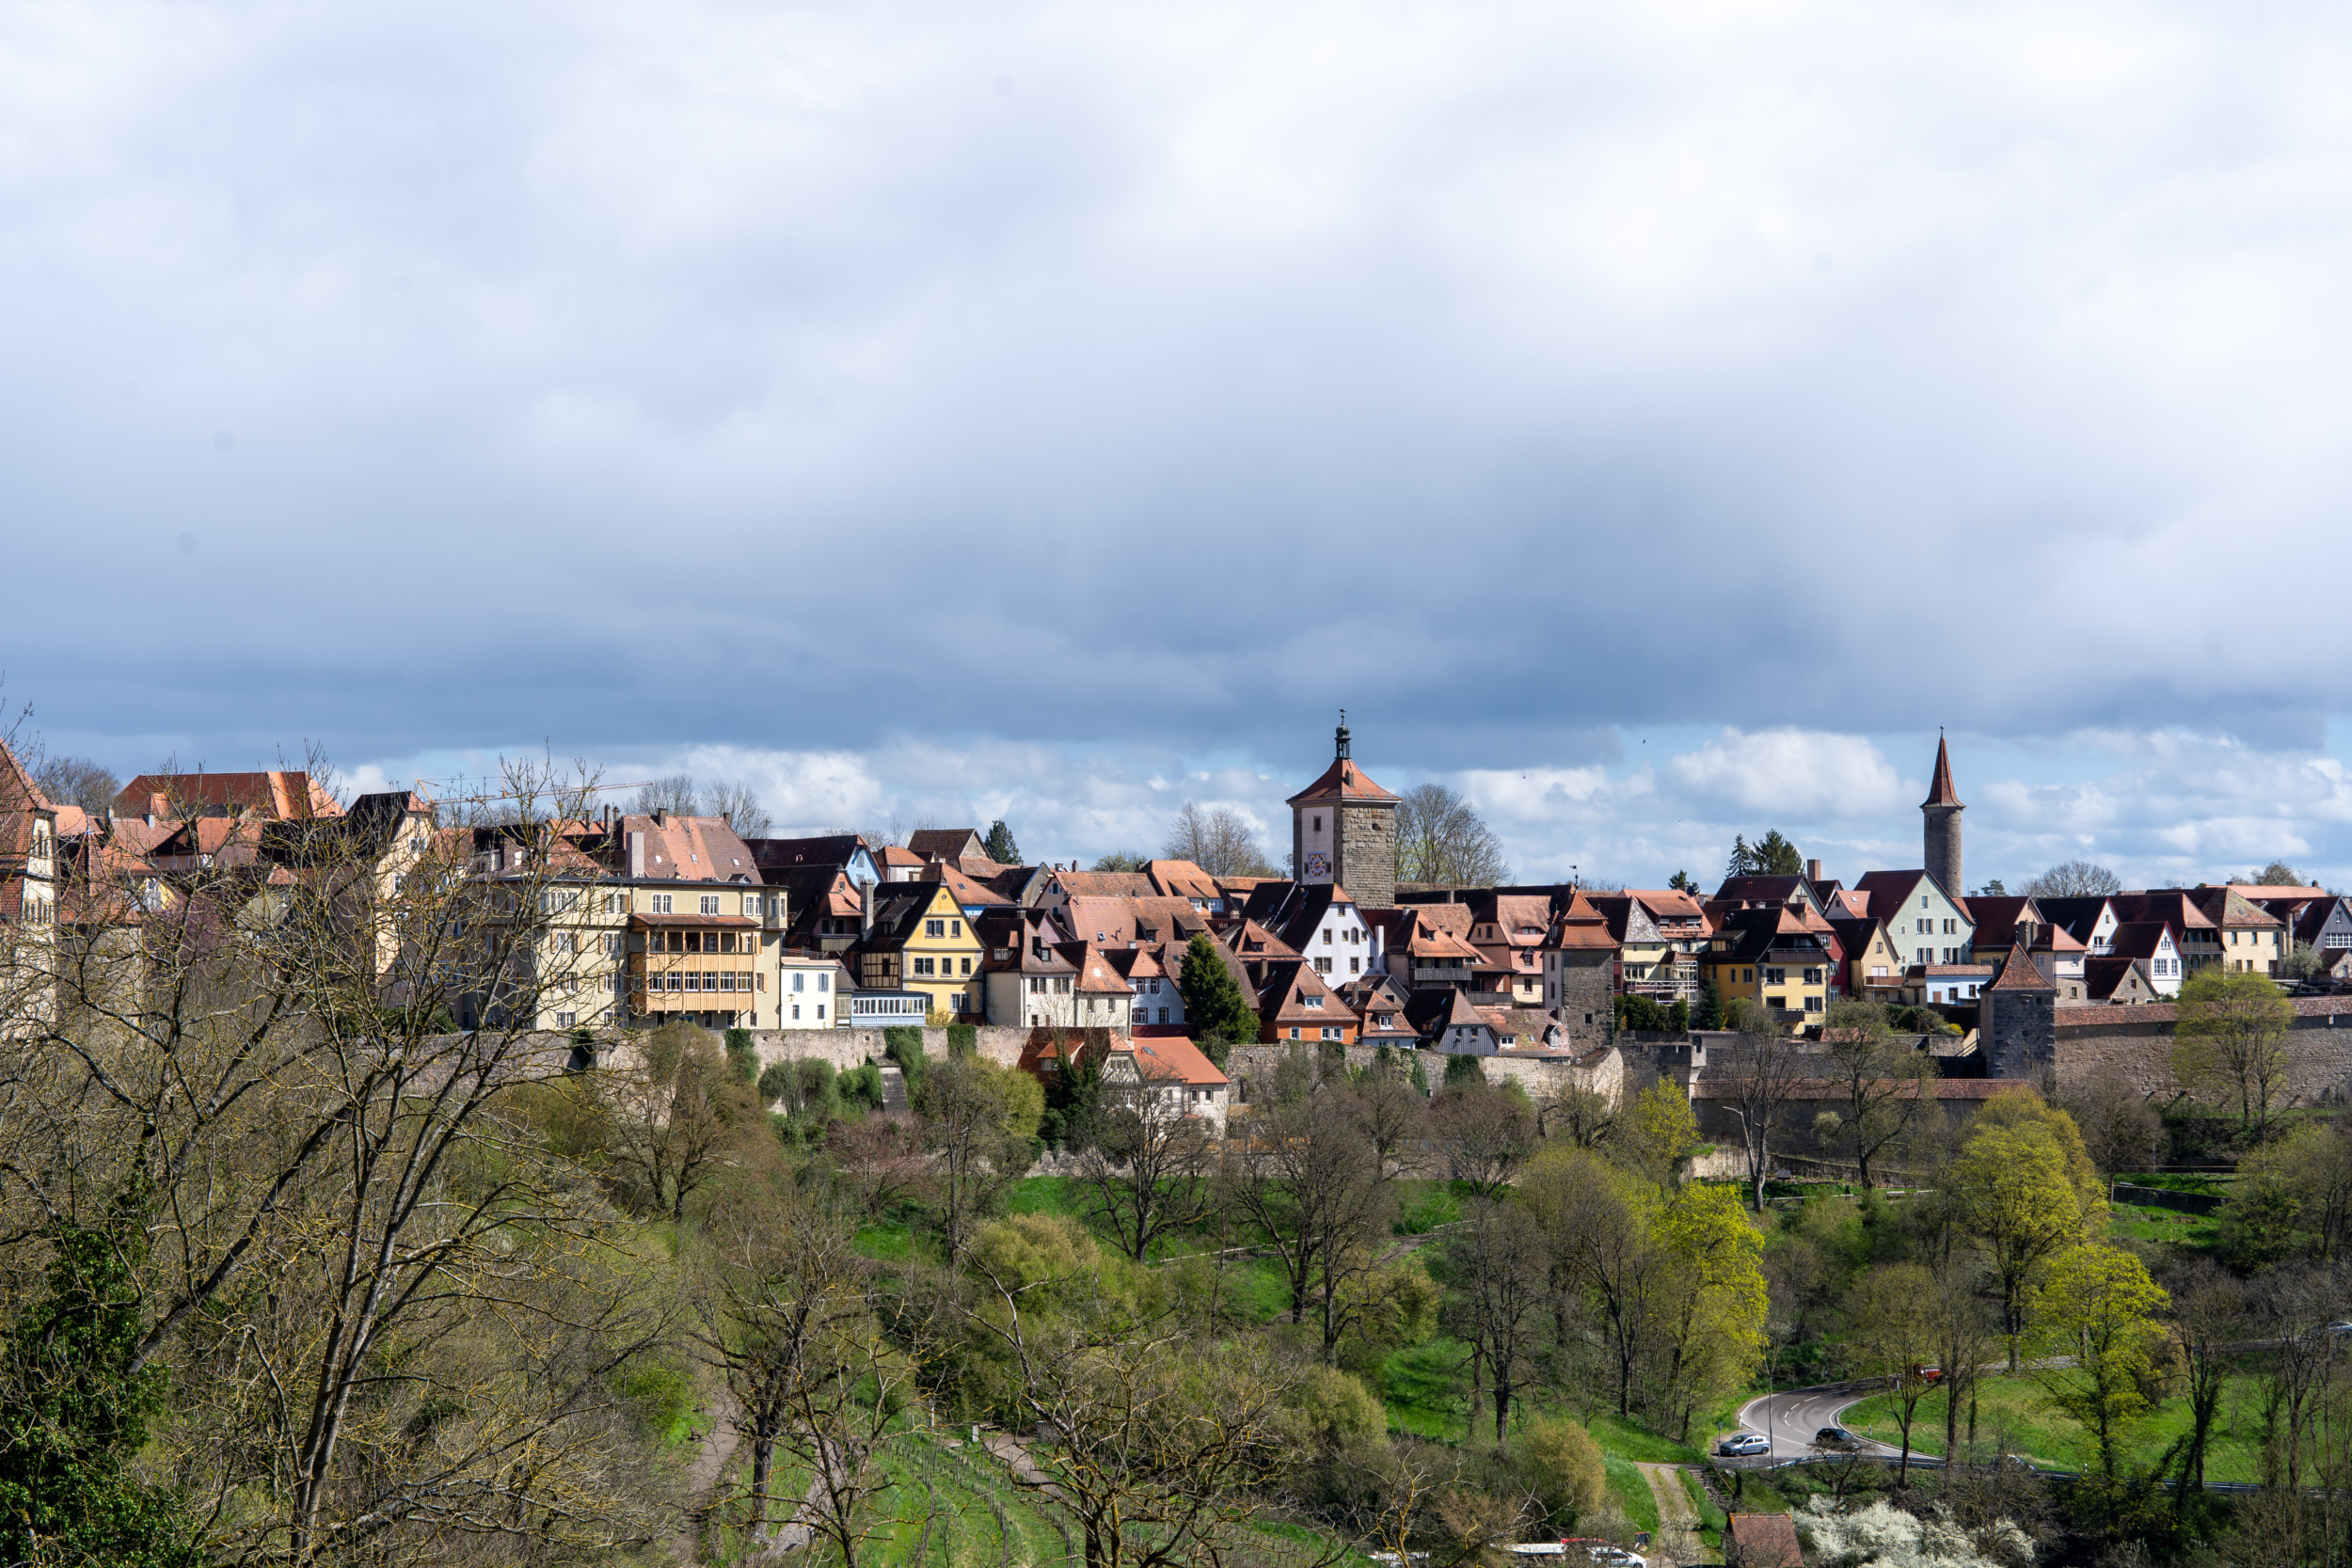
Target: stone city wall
{"points": [[2136, 1043]]}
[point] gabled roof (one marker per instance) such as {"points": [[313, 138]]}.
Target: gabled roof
{"points": [[1341, 780], [279, 795], [1434, 1009], [946, 844], [1251, 942], [685, 849], [2104, 976], [969, 893], [1182, 879], [831, 850], [1763, 1541], [2020, 973], [1940, 791], [1997, 917], [2077, 915], [2139, 938], [1668, 903], [1890, 891], [1095, 974], [1105, 884], [1173, 1059], [1284, 987]]}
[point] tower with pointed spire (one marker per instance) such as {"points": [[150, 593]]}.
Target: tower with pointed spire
{"points": [[1344, 831], [1942, 808]]}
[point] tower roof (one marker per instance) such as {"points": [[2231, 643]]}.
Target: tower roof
{"points": [[1940, 793], [1342, 780], [2020, 973]]}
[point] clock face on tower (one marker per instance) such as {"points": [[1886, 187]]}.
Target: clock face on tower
{"points": [[1318, 864]]}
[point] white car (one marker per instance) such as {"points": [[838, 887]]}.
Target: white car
{"points": [[1616, 1557], [1744, 1443]]}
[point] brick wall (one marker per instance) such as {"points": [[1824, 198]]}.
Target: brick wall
{"points": [[1367, 847]]}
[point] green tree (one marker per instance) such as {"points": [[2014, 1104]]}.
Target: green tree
{"points": [[1680, 881], [2232, 1039], [2025, 1187], [1216, 1010], [1658, 1137], [978, 1120], [2095, 1338], [1709, 1328], [999, 845], [1122, 860], [1897, 1330], [76, 1409], [1710, 1012], [1771, 856], [2277, 874]]}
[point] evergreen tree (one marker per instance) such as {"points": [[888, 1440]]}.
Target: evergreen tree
{"points": [[1215, 1009], [73, 1413], [999, 845], [1680, 881], [1710, 1014]]}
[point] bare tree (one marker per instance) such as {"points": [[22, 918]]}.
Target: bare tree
{"points": [[676, 794], [790, 1318], [77, 782], [739, 805], [1218, 839], [1486, 1132], [1753, 1080], [377, 1284], [1312, 1182], [1151, 1169], [1161, 1447], [2072, 880], [1498, 1267], [1883, 1082], [1441, 838]]}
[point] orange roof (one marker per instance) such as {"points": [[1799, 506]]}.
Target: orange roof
{"points": [[2020, 973], [1163, 1057], [1341, 780], [279, 795]]}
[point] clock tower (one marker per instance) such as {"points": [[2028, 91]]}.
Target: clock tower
{"points": [[1344, 832]]}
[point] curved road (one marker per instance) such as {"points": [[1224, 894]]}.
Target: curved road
{"points": [[1792, 1415]]}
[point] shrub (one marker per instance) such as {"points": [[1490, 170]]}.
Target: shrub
{"points": [[1559, 1462], [963, 1039], [742, 1055], [1335, 1409], [903, 1044], [1463, 1070]]}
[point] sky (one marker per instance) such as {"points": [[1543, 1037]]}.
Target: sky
{"points": [[1654, 422]]}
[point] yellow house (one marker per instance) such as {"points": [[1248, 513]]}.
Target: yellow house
{"points": [[1769, 957], [919, 940]]}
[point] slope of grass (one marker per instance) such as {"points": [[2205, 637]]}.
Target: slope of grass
{"points": [[1420, 1386], [1632, 1441], [2013, 1416], [1632, 1489]]}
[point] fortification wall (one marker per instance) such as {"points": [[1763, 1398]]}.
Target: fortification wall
{"points": [[2136, 1043]]}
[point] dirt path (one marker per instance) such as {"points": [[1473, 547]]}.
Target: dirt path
{"points": [[1677, 1542]]}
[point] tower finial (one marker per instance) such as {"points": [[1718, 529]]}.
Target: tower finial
{"points": [[1342, 736]]}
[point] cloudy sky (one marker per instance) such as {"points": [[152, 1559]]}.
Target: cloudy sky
{"points": [[1655, 420]]}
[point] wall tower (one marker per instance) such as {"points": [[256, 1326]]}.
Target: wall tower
{"points": [[1344, 831], [1942, 808]]}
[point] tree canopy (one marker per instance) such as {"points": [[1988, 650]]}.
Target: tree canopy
{"points": [[1771, 856], [2072, 880], [1441, 839], [999, 845]]}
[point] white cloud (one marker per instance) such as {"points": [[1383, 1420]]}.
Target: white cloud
{"points": [[1797, 772]]}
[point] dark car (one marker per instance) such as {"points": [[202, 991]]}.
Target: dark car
{"points": [[1835, 1437]]}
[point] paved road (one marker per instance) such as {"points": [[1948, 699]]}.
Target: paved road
{"points": [[1791, 1416]]}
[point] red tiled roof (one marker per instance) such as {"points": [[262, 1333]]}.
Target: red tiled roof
{"points": [[279, 795], [1940, 793], [1341, 780], [2020, 973]]}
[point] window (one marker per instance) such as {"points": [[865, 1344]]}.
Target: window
{"points": [[1310, 1001], [1775, 977], [1294, 1034], [1326, 935], [824, 983], [798, 980], [710, 903], [967, 966], [955, 928], [821, 1011], [1355, 966], [922, 966], [565, 1020], [660, 904], [934, 928], [613, 944], [1812, 977], [796, 1009], [1162, 1015], [1331, 1032], [1323, 966], [751, 903]]}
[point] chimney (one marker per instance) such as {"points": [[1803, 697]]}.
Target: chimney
{"points": [[661, 819], [1813, 871], [636, 853], [864, 908]]}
